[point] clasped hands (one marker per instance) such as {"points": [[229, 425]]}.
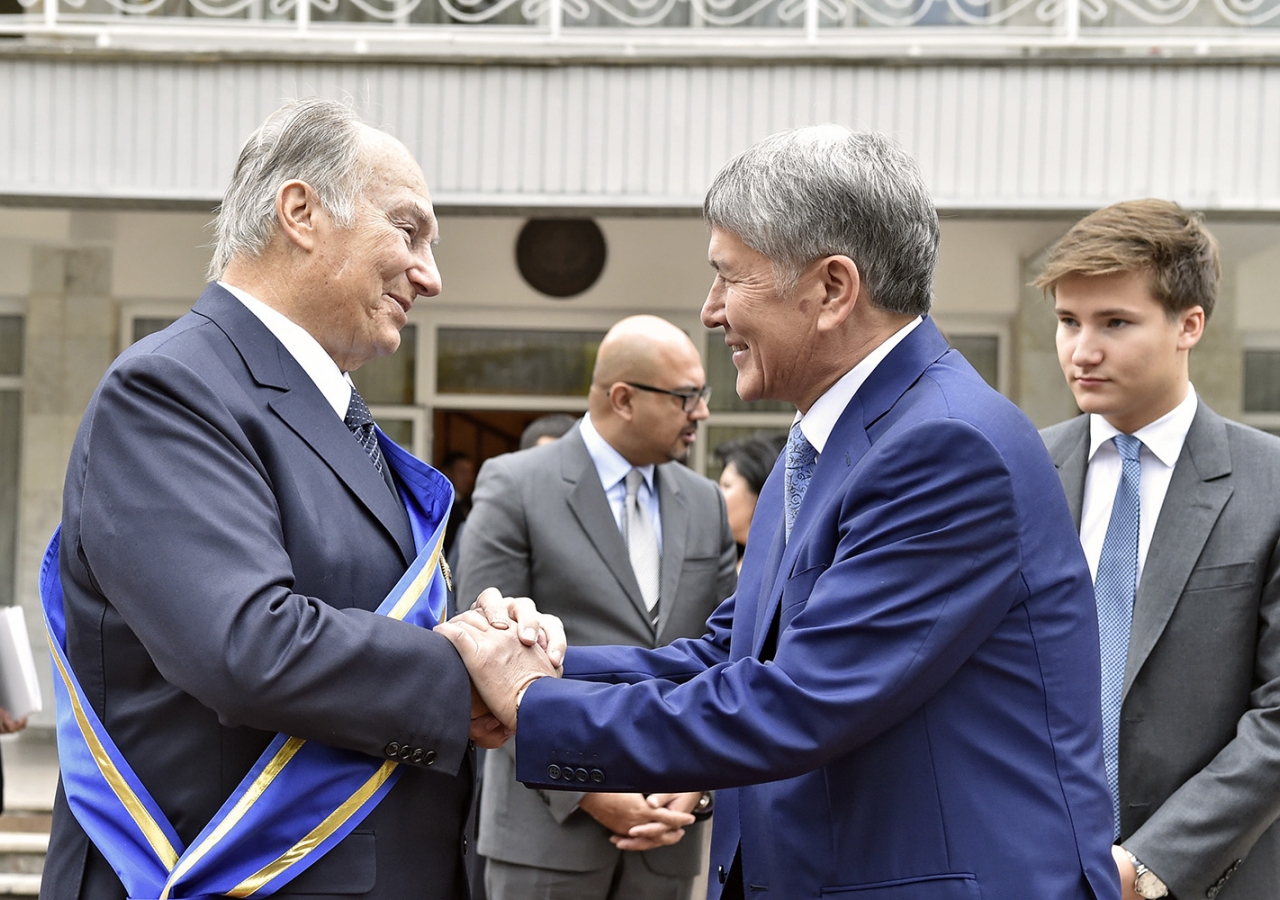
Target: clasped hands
{"points": [[503, 660]]}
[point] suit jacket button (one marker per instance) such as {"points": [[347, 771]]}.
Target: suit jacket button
{"points": [[429, 757], [721, 874], [580, 774], [464, 845], [405, 751], [392, 749], [597, 776], [553, 772], [418, 755]]}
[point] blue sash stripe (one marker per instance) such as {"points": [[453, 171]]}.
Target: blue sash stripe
{"points": [[299, 799]]}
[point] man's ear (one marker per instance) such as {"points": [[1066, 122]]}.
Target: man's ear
{"points": [[1190, 327], [621, 398], [841, 286], [298, 212]]}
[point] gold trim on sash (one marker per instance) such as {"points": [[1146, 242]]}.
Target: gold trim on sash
{"points": [[332, 822], [417, 586], [260, 784], [155, 836], [318, 834]]}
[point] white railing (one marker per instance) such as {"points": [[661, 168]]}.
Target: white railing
{"points": [[667, 26]]}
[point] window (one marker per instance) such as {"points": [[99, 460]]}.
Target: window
{"points": [[983, 343], [388, 384], [515, 361], [1261, 388], [12, 334]]}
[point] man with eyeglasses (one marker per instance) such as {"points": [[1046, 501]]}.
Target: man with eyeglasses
{"points": [[606, 529]]}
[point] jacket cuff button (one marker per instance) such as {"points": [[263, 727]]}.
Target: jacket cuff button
{"points": [[553, 772], [392, 749]]}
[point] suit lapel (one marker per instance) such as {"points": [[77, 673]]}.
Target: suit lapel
{"points": [[847, 444], [1071, 456], [589, 505], [1200, 488], [675, 531], [302, 407]]}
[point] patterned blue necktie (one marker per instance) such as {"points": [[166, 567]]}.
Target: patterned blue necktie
{"points": [[801, 458], [360, 421], [1116, 587]]}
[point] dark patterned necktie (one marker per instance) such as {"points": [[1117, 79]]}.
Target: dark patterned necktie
{"points": [[1115, 588], [360, 421]]}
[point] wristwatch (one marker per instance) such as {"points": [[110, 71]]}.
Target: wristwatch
{"points": [[706, 805], [1147, 884]]}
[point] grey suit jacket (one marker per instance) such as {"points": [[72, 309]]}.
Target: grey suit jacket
{"points": [[1200, 722], [540, 526]]}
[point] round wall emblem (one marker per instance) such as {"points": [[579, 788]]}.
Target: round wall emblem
{"points": [[560, 257]]}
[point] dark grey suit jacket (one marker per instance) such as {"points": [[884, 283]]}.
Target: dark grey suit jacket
{"points": [[1200, 724], [541, 526], [224, 542]]}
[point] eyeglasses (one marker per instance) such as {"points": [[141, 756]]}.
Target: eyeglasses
{"points": [[690, 396]]}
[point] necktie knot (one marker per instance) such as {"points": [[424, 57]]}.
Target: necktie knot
{"points": [[635, 478], [358, 415], [1129, 446], [801, 458]]}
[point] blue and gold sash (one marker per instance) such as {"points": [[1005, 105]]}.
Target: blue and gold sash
{"points": [[299, 799]]}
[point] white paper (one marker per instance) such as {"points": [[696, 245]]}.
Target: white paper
{"points": [[19, 686]]}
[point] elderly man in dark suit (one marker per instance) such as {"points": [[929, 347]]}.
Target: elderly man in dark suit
{"points": [[551, 523], [901, 697], [1179, 516], [227, 538]]}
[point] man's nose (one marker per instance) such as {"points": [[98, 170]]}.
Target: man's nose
{"points": [[425, 275]]}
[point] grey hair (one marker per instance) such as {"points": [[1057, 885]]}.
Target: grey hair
{"points": [[317, 141], [800, 195]]}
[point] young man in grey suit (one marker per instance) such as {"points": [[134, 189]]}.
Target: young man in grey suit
{"points": [[1179, 516], [557, 523]]}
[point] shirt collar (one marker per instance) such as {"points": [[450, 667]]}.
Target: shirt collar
{"points": [[611, 465], [315, 361], [1164, 437], [818, 423]]}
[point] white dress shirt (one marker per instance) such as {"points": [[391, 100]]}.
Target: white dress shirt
{"points": [[314, 359], [612, 467], [1162, 442], [818, 423]]}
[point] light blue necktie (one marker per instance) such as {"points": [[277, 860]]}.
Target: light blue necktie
{"points": [[801, 458], [1116, 587]]}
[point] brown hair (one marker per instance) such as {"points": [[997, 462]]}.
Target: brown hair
{"points": [[1155, 236]]}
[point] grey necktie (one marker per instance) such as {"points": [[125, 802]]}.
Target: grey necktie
{"points": [[642, 544]]}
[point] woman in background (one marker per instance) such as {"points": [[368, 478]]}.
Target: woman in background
{"points": [[747, 463]]}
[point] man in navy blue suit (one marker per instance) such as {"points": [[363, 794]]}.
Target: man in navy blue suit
{"points": [[900, 701]]}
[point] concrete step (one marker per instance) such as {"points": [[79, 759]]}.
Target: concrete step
{"points": [[19, 885], [24, 841], [22, 852]]}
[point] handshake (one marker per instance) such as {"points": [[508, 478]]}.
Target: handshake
{"points": [[507, 645]]}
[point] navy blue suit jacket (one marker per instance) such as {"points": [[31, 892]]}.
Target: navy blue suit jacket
{"points": [[903, 698], [224, 543]]}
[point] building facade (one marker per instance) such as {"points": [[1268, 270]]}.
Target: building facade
{"points": [[120, 122]]}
